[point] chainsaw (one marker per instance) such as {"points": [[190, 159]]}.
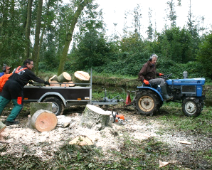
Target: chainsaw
{"points": [[118, 118]]}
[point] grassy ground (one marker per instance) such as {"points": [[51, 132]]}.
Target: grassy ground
{"points": [[135, 154]]}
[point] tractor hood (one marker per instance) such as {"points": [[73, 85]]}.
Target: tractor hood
{"points": [[191, 81]]}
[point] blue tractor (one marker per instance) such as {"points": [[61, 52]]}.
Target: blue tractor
{"points": [[188, 91]]}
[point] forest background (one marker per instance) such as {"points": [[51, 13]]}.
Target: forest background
{"points": [[71, 36]]}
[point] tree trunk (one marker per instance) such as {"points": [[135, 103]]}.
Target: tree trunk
{"points": [[28, 24], [37, 34], [95, 118], [70, 34]]}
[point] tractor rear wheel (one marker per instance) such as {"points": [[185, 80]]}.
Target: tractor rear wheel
{"points": [[191, 107], [147, 102]]}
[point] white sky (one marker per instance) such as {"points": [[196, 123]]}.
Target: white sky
{"points": [[114, 12]]}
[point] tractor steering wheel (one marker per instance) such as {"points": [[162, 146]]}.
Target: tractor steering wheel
{"points": [[166, 77]]}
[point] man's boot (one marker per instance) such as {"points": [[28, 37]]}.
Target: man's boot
{"points": [[164, 92]]}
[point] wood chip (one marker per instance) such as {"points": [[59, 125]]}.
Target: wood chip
{"points": [[81, 140], [185, 142], [162, 164]]}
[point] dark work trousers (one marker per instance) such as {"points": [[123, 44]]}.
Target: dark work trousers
{"points": [[12, 90]]}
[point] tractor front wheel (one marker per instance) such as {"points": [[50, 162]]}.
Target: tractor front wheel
{"points": [[147, 102], [191, 107]]}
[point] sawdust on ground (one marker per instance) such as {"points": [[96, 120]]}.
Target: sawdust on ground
{"points": [[21, 140]]}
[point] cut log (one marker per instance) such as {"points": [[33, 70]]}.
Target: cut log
{"points": [[81, 140], [63, 121], [34, 106], [2, 127], [82, 76], [54, 83], [94, 117], [64, 77], [43, 120], [67, 84]]}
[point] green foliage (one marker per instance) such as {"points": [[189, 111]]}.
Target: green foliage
{"points": [[204, 55], [176, 44]]}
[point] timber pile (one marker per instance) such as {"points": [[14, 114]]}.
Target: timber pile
{"points": [[94, 117], [66, 80], [63, 80], [43, 120]]}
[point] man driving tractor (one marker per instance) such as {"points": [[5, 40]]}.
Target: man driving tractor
{"points": [[148, 76]]}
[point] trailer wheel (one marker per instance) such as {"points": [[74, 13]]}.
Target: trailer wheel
{"points": [[147, 102], [57, 105], [191, 107]]}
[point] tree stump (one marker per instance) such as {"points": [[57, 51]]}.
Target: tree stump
{"points": [[2, 127], [43, 120], [94, 117]]}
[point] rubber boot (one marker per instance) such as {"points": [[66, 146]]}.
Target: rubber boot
{"points": [[3, 103], [15, 111], [165, 95]]}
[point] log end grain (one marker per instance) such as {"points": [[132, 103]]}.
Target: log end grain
{"points": [[43, 120], [67, 76], [81, 75]]}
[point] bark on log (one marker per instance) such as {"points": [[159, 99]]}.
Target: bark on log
{"points": [[34, 106], [64, 77], [94, 117], [2, 127], [43, 120]]}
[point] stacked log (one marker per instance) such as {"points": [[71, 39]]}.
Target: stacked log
{"points": [[80, 78], [63, 80]]}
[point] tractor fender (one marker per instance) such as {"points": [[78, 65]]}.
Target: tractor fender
{"points": [[152, 89]]}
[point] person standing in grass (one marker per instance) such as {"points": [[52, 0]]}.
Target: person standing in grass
{"points": [[13, 89]]}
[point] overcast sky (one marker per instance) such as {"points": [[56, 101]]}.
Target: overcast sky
{"points": [[114, 12]]}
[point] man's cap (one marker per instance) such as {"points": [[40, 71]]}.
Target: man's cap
{"points": [[5, 67]]}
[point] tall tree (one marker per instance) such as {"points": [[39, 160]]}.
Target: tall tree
{"points": [[172, 13], [37, 35], [80, 6], [150, 29], [27, 32]]}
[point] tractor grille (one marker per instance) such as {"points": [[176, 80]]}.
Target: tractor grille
{"points": [[187, 89]]}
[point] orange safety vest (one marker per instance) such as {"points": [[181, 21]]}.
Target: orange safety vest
{"points": [[3, 80]]}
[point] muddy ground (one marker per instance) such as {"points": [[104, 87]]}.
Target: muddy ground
{"points": [[19, 140]]}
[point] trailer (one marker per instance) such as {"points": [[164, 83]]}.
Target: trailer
{"points": [[63, 97]]}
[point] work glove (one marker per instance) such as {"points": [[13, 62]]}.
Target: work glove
{"points": [[146, 82], [161, 74], [47, 83]]}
